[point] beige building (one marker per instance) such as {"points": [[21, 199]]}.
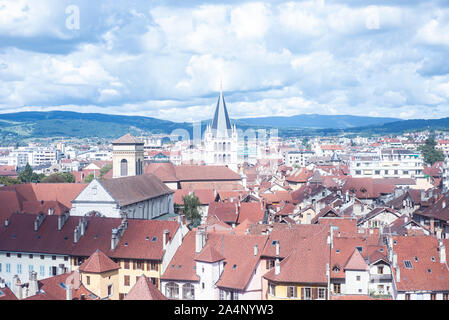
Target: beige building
{"points": [[127, 156], [100, 275]]}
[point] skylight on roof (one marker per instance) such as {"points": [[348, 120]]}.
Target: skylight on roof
{"points": [[432, 258], [62, 285], [234, 266], [429, 270], [359, 248], [273, 243], [408, 264]]}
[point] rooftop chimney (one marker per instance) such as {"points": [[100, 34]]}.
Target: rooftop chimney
{"points": [[442, 251], [277, 248], [443, 204], [38, 221], [114, 238], [200, 239], [277, 267], [398, 274], [76, 234], [256, 249], [33, 287], [164, 238], [6, 222], [17, 287], [51, 211], [62, 219], [68, 292]]}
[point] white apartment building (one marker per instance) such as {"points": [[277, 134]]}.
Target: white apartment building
{"points": [[387, 163], [298, 158], [446, 174]]}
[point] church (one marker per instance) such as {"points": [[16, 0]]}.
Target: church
{"points": [[220, 138]]}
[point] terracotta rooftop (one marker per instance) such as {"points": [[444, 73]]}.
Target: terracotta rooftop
{"points": [[356, 262], [98, 263], [144, 289], [127, 139]]}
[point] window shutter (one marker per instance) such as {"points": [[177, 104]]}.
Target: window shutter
{"points": [[134, 264], [314, 293], [148, 266], [302, 294], [325, 294]]}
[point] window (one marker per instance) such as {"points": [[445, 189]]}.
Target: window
{"points": [[407, 296], [272, 289], [19, 268], [19, 255], [8, 267], [307, 294], [139, 265], [357, 278], [358, 172], [154, 266], [221, 295], [188, 292], [126, 264], [109, 290], [291, 292], [416, 259], [42, 257], [433, 296], [270, 264], [234, 295], [155, 282], [172, 290], [8, 254], [321, 293], [53, 257], [0, 267], [30, 268], [408, 264], [337, 288], [88, 280], [30, 256], [377, 172], [123, 168], [42, 271], [126, 281], [380, 270], [359, 248], [445, 296]]}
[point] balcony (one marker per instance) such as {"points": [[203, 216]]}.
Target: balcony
{"points": [[380, 277]]}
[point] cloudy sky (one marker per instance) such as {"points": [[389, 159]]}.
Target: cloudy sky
{"points": [[166, 59]]}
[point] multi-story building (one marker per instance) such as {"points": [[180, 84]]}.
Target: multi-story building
{"points": [[387, 163], [297, 158]]}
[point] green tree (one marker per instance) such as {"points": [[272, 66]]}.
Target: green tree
{"points": [[105, 170], [60, 177], [28, 175], [430, 154], [7, 181], [191, 205], [89, 178]]}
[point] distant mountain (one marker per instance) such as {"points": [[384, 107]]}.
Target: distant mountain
{"points": [[22, 125], [16, 127], [317, 121]]}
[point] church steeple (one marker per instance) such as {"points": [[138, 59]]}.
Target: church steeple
{"points": [[221, 125]]}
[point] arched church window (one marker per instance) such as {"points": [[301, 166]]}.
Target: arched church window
{"points": [[124, 167]]}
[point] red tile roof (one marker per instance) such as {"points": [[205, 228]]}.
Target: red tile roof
{"points": [[426, 273], [62, 192], [251, 211], [98, 263], [225, 211], [7, 294], [209, 254], [144, 289], [205, 196], [306, 263], [356, 262]]}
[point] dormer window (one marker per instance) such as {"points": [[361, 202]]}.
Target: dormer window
{"points": [[336, 269], [408, 264]]}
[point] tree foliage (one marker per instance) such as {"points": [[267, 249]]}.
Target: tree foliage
{"points": [[430, 154], [191, 205], [105, 170], [89, 178], [28, 175], [7, 181], [60, 177]]}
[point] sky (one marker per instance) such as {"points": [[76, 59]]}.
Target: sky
{"points": [[167, 59]]}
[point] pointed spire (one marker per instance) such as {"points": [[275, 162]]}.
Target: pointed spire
{"points": [[221, 125]]}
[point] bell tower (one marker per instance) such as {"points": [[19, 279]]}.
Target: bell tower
{"points": [[127, 157]]}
